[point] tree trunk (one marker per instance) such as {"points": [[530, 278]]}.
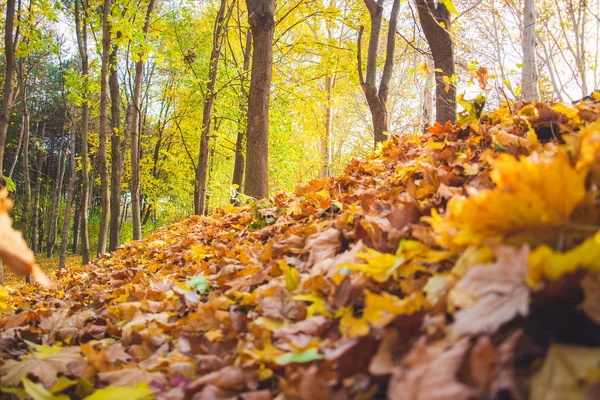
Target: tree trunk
{"points": [[52, 228], [261, 16], [135, 136], [377, 98], [17, 151], [219, 32], [103, 131], [81, 30], [435, 21], [428, 97], [116, 164], [326, 137], [9, 72], [76, 219], [238, 168], [529, 74], [70, 196], [35, 221], [25, 159]]}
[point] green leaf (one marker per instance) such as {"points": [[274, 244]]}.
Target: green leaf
{"points": [[199, 283], [301, 357], [141, 391], [10, 184]]}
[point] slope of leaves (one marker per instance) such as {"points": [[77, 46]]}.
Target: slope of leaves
{"points": [[461, 263]]}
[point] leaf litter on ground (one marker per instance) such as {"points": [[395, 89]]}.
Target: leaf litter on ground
{"points": [[461, 263]]}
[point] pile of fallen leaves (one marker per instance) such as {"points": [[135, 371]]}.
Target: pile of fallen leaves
{"points": [[458, 264]]}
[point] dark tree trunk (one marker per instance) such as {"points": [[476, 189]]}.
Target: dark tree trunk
{"points": [[25, 160], [135, 135], [81, 30], [116, 143], [219, 32], [261, 16], [70, 195], [238, 168], [10, 43], [435, 21], [103, 130], [377, 97]]}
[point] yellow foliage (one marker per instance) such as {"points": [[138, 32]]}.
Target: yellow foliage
{"points": [[546, 263], [531, 194]]}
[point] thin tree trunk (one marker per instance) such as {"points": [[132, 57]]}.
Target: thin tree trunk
{"points": [[76, 220], [377, 98], [35, 221], [52, 231], [529, 74], [219, 32], [9, 69], [326, 137], [103, 131], [135, 135], [261, 16], [17, 152], [435, 21], [115, 137], [81, 30], [428, 97], [25, 159], [70, 195], [238, 168]]}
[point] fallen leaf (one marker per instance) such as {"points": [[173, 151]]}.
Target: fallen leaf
{"points": [[498, 290]]}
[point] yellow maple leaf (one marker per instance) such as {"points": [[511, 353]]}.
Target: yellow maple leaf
{"points": [[532, 194], [380, 310], [547, 263]]}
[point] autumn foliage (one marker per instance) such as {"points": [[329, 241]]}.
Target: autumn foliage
{"points": [[458, 264]]}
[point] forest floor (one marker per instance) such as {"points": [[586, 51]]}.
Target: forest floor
{"points": [[48, 265], [463, 263]]}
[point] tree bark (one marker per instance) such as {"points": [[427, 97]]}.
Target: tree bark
{"points": [[103, 130], [9, 69], [25, 159], [219, 32], [435, 21], [81, 30], [261, 16], [428, 97], [17, 152], [35, 221], [377, 97], [135, 136], [238, 168], [52, 227], [116, 143], [70, 195], [529, 74], [326, 137]]}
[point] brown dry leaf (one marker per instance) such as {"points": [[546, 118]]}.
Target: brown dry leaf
{"points": [[566, 373], [130, 377], [499, 292], [281, 305], [323, 245], [45, 369], [429, 373]]}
